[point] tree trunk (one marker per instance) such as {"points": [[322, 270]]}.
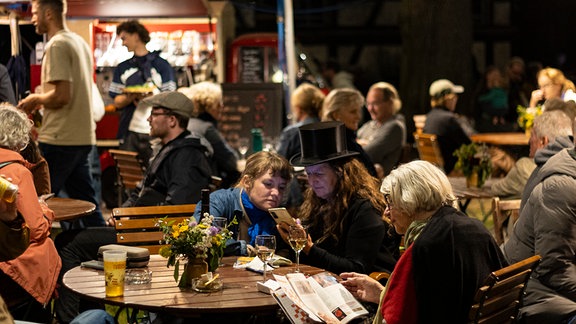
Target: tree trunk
{"points": [[436, 43]]}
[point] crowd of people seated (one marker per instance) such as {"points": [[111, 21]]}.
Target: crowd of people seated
{"points": [[358, 203]]}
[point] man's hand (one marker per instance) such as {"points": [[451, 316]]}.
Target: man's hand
{"points": [[362, 286], [30, 103]]}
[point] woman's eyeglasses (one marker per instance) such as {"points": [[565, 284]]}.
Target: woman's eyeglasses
{"points": [[388, 201]]}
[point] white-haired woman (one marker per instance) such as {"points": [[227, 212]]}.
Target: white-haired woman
{"points": [[384, 136], [29, 280], [448, 254], [207, 99]]}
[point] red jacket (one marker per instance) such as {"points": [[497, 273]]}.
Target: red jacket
{"points": [[37, 269]]}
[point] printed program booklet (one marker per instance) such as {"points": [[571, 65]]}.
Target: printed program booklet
{"points": [[302, 299]]}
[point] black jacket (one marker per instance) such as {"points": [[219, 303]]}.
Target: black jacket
{"points": [[176, 174]]}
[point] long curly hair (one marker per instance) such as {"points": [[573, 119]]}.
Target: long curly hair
{"points": [[354, 182]]}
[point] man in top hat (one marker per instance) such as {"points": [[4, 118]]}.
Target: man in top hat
{"points": [[180, 169], [442, 121]]}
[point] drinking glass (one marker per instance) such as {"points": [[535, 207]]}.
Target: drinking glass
{"points": [[297, 237], [243, 146], [114, 272], [265, 247], [220, 223]]}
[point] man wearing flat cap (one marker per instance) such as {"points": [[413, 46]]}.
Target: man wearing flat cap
{"points": [[442, 122], [180, 168]]}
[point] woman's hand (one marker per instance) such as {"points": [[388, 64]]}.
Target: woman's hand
{"points": [[283, 229], [537, 96], [362, 286]]}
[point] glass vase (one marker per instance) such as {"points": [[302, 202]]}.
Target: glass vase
{"points": [[195, 268]]}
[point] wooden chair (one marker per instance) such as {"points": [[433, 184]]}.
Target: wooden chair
{"points": [[428, 149], [504, 210], [129, 169], [500, 298], [137, 225]]}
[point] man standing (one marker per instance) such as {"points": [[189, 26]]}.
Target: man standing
{"points": [[68, 130], [547, 226], [145, 69]]}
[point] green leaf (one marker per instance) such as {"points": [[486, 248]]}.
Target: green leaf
{"points": [[176, 270]]}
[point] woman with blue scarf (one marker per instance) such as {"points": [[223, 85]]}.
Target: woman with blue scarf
{"points": [[261, 187]]}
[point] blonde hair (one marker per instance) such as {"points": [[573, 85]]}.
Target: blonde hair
{"points": [[339, 99], [557, 77], [14, 128], [418, 187], [205, 96], [308, 98], [390, 93]]}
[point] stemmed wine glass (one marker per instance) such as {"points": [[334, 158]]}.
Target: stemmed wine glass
{"points": [[220, 223], [265, 247], [297, 237]]}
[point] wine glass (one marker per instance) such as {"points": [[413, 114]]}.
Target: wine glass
{"points": [[297, 237], [220, 223], [265, 247], [243, 144]]}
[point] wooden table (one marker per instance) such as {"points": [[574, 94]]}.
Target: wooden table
{"points": [[465, 194], [512, 139], [66, 209], [238, 296]]}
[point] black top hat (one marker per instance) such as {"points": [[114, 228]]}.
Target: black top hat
{"points": [[321, 142]]}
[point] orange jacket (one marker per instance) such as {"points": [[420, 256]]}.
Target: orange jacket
{"points": [[37, 269]]}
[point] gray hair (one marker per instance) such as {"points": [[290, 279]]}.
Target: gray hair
{"points": [[339, 99], [552, 124], [14, 128], [418, 187]]}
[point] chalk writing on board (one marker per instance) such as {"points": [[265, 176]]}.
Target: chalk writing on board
{"points": [[248, 106]]}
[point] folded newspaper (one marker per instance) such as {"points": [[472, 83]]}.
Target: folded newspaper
{"points": [[303, 299]]}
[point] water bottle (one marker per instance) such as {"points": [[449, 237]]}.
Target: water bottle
{"points": [[256, 140]]}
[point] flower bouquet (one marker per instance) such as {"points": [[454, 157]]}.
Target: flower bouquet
{"points": [[194, 241], [526, 116], [475, 164]]}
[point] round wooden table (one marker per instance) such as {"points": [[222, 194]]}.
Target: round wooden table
{"points": [[238, 296], [66, 209]]}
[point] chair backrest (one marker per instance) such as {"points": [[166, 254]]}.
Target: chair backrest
{"points": [[429, 149], [500, 298], [504, 210], [129, 169], [137, 225]]}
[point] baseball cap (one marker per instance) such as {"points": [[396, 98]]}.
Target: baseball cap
{"points": [[442, 87], [173, 100]]}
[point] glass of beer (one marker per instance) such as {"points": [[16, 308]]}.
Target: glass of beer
{"points": [[114, 272]]}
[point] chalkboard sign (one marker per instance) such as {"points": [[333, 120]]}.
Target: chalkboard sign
{"points": [[251, 105], [251, 64]]}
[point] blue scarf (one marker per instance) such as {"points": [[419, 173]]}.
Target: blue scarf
{"points": [[262, 222]]}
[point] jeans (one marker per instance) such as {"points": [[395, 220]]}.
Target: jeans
{"points": [[70, 170]]}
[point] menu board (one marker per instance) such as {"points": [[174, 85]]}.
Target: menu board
{"points": [[251, 65], [251, 105]]}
